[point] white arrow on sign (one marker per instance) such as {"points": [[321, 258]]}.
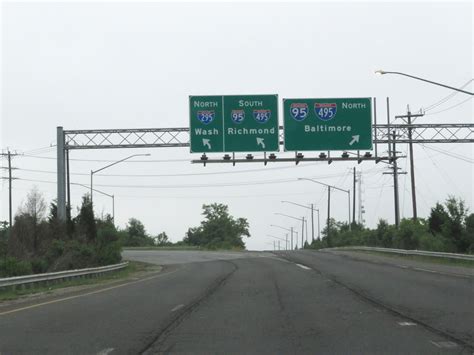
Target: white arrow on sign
{"points": [[261, 142], [206, 143], [354, 140]]}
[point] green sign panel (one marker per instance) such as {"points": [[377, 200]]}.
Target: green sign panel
{"points": [[235, 123], [327, 124]]}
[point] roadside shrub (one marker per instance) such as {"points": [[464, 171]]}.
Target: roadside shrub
{"points": [[10, 267], [39, 266]]}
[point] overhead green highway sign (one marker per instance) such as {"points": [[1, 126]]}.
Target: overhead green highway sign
{"points": [[234, 123], [327, 124]]}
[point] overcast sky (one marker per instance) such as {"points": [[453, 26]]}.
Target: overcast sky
{"points": [[88, 65]]}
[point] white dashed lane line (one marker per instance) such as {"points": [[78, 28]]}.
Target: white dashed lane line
{"points": [[105, 351], [179, 306], [406, 324], [303, 267], [444, 344]]}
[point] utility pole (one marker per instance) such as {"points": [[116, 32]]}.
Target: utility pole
{"points": [[395, 174], [286, 242], [9, 190], [302, 232], [354, 197], [9, 155], [312, 223], [409, 116]]}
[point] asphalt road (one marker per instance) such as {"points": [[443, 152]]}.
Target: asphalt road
{"points": [[253, 303]]}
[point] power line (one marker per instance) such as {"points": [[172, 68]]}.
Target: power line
{"points": [[446, 98], [451, 107], [450, 154], [184, 174], [245, 183]]}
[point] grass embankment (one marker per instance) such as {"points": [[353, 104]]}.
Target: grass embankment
{"points": [[188, 247], [134, 268], [422, 258]]}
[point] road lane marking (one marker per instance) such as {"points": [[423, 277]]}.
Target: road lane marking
{"points": [[179, 306], [85, 294], [444, 344], [406, 324], [303, 267], [105, 351]]}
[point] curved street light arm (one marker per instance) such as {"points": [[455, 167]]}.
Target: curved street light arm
{"points": [[382, 72]]}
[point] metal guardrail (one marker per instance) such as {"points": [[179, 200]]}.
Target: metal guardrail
{"points": [[55, 276], [410, 252]]}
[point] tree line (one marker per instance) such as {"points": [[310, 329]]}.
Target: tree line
{"points": [[449, 228], [38, 242]]}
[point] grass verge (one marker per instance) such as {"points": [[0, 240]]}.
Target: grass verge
{"points": [[429, 259], [134, 268]]}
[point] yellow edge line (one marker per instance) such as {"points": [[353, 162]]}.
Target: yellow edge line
{"points": [[85, 294]]}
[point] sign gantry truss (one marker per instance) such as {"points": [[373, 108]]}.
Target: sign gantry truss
{"points": [[179, 137]]}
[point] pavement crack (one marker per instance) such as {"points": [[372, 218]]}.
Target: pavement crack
{"points": [[186, 311], [381, 305]]}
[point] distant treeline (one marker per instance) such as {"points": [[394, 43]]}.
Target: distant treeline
{"points": [[449, 228], [38, 242]]}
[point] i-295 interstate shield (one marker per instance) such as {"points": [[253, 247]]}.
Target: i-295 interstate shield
{"points": [[234, 123], [327, 124]]}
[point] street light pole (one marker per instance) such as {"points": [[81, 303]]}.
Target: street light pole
{"points": [[114, 163], [287, 229], [382, 72], [103, 193], [348, 192], [312, 217]]}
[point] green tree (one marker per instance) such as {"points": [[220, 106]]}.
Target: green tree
{"points": [[162, 239], [438, 217], [219, 230], [86, 226], [454, 227], [470, 232], [136, 234]]}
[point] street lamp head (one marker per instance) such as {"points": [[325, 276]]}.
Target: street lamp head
{"points": [[380, 72]]}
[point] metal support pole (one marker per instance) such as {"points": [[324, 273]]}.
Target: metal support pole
{"points": [[113, 210], [279, 245], [349, 207], [319, 227], [68, 183], [388, 128], [375, 129], [10, 214], [92, 175], [306, 230], [395, 182], [354, 197], [302, 232], [292, 238], [329, 215], [61, 174], [312, 223], [412, 168]]}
